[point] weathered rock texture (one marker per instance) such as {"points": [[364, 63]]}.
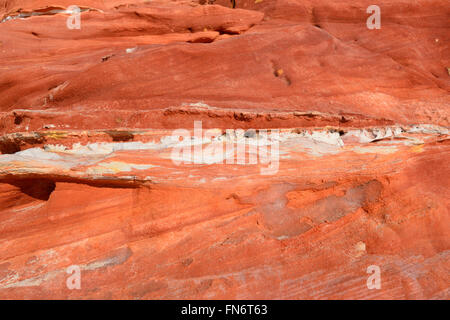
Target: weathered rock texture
{"points": [[87, 175]]}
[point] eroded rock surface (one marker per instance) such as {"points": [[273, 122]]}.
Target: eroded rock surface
{"points": [[88, 174]]}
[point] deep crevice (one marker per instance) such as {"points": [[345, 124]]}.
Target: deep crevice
{"points": [[40, 189], [120, 136], [13, 144]]}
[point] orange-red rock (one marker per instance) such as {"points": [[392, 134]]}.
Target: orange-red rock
{"points": [[87, 175]]}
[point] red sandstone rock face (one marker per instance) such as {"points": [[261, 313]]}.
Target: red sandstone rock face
{"points": [[87, 175]]}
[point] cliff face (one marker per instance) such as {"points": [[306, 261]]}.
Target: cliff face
{"points": [[352, 172]]}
